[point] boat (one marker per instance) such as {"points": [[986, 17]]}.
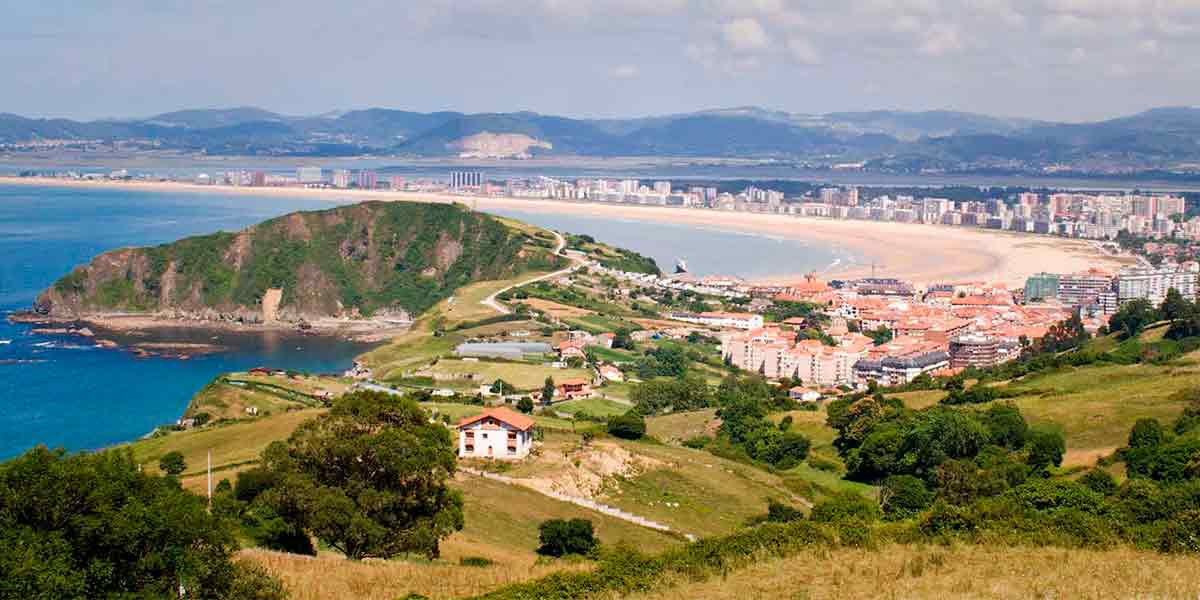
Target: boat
{"points": [[681, 266], [5, 342]]}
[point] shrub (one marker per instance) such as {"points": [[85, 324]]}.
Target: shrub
{"points": [[172, 463], [1182, 534], [1052, 494], [629, 426], [525, 405], [846, 506], [251, 483], [475, 561], [1100, 481], [945, 518], [697, 443], [1146, 433], [903, 496], [778, 512], [559, 537], [1046, 448]]}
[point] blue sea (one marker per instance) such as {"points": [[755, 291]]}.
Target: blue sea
{"points": [[65, 392]]}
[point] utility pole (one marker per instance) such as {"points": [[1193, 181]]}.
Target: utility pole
{"points": [[210, 479]]}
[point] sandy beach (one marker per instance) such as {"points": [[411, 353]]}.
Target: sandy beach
{"points": [[919, 253]]}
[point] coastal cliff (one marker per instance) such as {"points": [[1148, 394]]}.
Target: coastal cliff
{"points": [[375, 259]]}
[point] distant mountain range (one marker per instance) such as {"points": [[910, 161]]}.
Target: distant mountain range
{"points": [[1165, 139]]}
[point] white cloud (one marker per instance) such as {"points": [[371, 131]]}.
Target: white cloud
{"points": [[1077, 56], [624, 72], [942, 39], [745, 34], [803, 52]]}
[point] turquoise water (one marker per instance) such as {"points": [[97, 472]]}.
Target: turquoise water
{"points": [[65, 392], [708, 250]]}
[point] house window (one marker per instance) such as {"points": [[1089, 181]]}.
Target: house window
{"points": [[470, 448]]}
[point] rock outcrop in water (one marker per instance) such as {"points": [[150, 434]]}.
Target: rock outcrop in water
{"points": [[375, 259]]}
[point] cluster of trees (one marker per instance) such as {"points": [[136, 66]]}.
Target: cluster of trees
{"points": [[96, 526], [743, 407], [672, 395], [1167, 455], [667, 360], [959, 454]]}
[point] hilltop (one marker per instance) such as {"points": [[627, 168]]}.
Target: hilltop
{"points": [[1160, 139], [375, 259]]}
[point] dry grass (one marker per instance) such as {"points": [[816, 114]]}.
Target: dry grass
{"points": [[230, 445], [330, 578], [900, 571], [501, 525], [683, 425], [523, 376], [556, 309]]}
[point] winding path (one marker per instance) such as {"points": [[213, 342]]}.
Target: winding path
{"points": [[495, 305]]}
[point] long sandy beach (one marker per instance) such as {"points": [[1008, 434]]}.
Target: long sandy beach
{"points": [[920, 253]]}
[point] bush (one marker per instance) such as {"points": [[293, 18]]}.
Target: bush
{"points": [[846, 506], [1146, 433], [560, 537], [1182, 534], [697, 443], [1046, 448], [1100, 481], [904, 496], [525, 405], [778, 512], [629, 426], [945, 518], [475, 561], [251, 483], [172, 463]]}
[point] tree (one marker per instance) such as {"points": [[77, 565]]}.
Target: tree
{"points": [[1146, 433], [1133, 317], [1046, 448], [502, 388], [525, 405], [904, 496], [845, 506], [172, 463], [548, 388], [880, 336], [1175, 307], [560, 537], [1006, 426], [95, 526], [629, 426], [369, 478]]}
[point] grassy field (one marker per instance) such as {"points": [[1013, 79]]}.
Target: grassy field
{"points": [[980, 572], [501, 525], [681, 426], [1097, 405], [230, 400], [231, 445], [597, 407], [524, 376]]}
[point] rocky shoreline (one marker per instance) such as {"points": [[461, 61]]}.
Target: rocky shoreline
{"points": [[102, 327]]}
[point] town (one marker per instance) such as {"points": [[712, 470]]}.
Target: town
{"points": [[1092, 215]]}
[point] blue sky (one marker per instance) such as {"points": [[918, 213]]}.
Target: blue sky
{"points": [[1054, 59]]}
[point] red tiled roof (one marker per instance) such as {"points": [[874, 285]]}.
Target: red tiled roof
{"points": [[504, 415]]}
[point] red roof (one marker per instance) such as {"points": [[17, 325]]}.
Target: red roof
{"points": [[504, 415]]}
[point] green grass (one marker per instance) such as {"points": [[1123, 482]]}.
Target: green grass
{"points": [[1097, 405], [231, 445], [460, 411], [612, 355], [597, 407]]}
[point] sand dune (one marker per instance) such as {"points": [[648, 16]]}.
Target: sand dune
{"points": [[921, 253]]}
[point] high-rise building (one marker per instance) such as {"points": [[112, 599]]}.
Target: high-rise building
{"points": [[397, 183], [341, 178], [974, 350], [366, 180], [465, 179], [1082, 288], [258, 179], [662, 187], [309, 174], [1042, 286], [1153, 283]]}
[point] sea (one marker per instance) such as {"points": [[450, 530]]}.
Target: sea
{"points": [[66, 392]]}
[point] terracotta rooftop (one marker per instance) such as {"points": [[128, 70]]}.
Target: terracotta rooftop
{"points": [[504, 415]]}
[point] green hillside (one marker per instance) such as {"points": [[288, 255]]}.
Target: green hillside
{"points": [[367, 259]]}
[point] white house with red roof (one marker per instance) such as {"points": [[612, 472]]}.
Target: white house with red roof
{"points": [[497, 433]]}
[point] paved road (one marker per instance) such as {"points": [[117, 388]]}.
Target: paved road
{"points": [[495, 305]]}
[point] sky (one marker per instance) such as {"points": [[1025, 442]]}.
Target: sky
{"points": [[1067, 60]]}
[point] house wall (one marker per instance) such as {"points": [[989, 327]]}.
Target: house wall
{"points": [[493, 442]]}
